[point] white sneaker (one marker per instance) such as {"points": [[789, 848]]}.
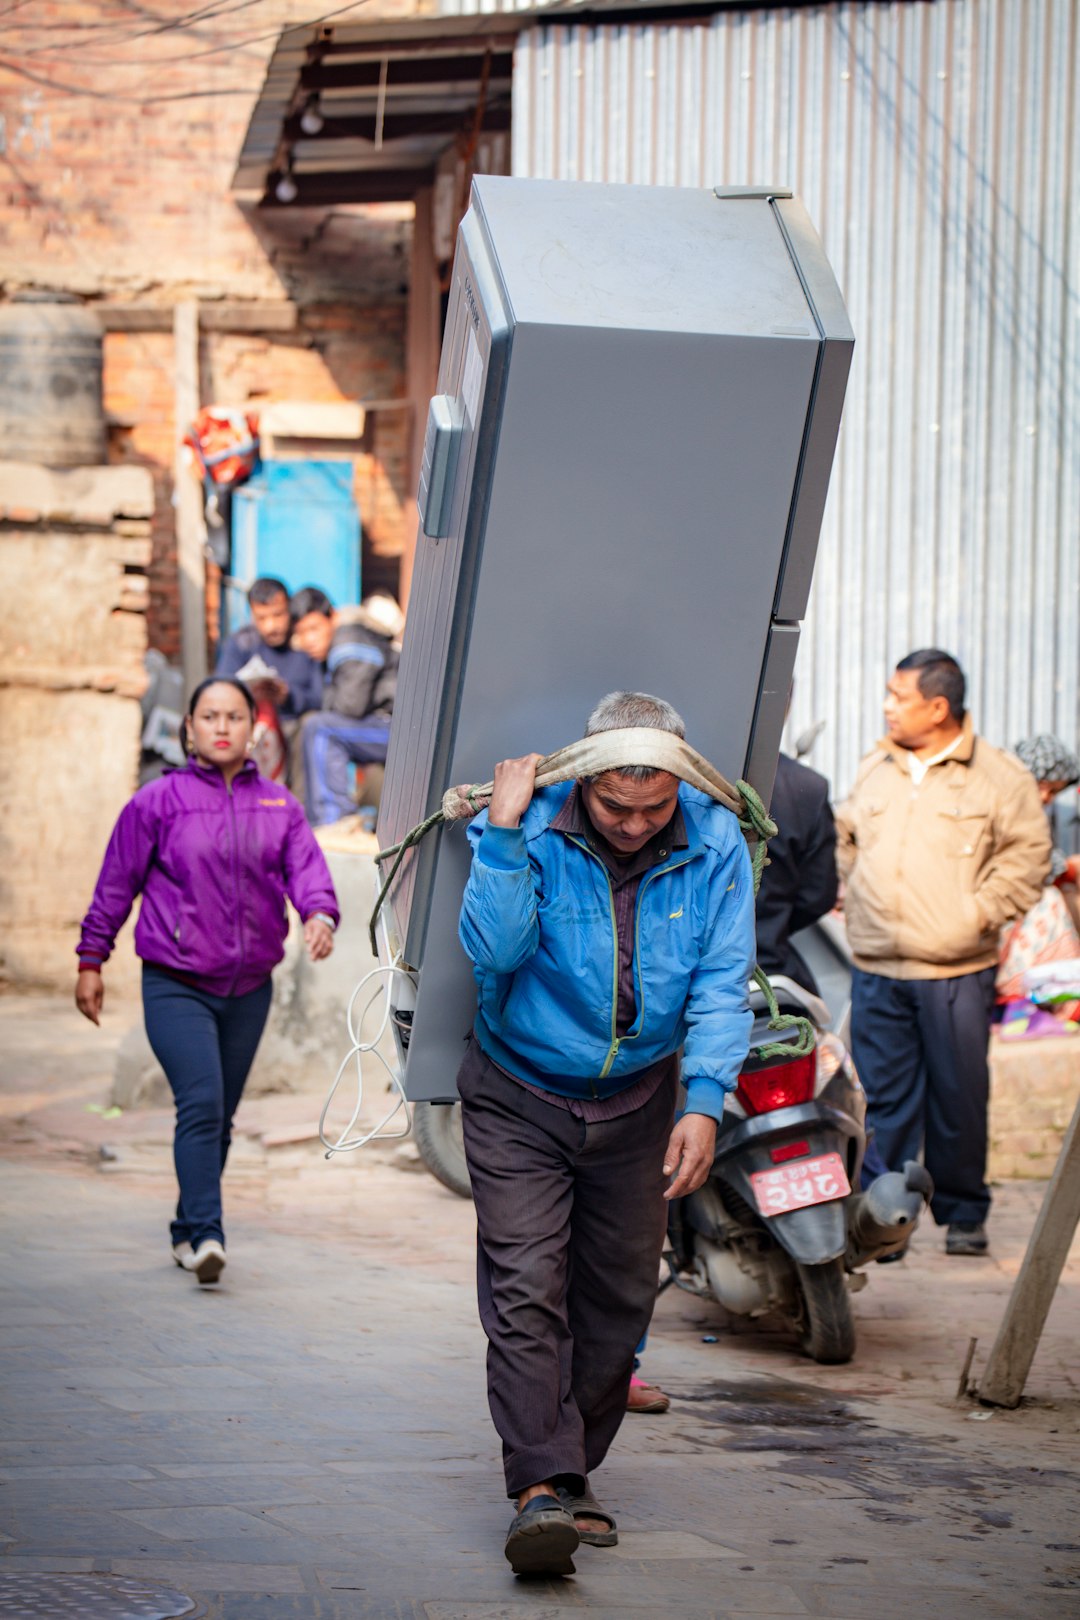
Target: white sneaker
{"points": [[181, 1252], [207, 1261]]}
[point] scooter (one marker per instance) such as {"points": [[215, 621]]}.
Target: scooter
{"points": [[781, 1227]]}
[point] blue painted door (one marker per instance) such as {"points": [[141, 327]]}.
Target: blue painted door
{"points": [[296, 521]]}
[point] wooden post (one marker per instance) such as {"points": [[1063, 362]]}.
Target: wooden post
{"points": [[190, 526], [1025, 1315]]}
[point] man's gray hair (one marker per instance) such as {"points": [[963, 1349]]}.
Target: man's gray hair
{"points": [[619, 711]]}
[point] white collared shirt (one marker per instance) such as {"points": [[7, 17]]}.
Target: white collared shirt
{"points": [[919, 767]]}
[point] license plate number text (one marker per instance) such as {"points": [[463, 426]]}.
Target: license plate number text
{"points": [[801, 1184]]}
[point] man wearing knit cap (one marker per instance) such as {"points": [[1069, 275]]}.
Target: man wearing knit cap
{"points": [[1055, 768]]}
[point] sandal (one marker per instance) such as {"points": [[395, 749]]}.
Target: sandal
{"points": [[586, 1506], [541, 1539], [645, 1397]]}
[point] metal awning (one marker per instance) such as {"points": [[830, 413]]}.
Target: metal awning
{"points": [[364, 114]]}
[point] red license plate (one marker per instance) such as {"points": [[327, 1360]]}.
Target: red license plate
{"points": [[800, 1184]]}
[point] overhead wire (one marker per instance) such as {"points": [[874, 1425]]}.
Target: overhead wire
{"points": [[81, 26], [191, 21], [275, 33], [196, 20], [166, 62], [113, 96]]}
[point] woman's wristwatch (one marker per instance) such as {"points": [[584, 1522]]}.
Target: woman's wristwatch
{"points": [[320, 916]]}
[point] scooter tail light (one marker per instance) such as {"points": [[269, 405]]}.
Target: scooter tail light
{"points": [[780, 1086]]}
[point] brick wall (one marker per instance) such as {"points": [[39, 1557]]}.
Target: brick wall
{"points": [[1033, 1091], [385, 495], [118, 141], [120, 133], [138, 385], [337, 352]]}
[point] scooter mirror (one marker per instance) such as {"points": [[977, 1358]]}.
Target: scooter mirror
{"points": [[806, 739]]}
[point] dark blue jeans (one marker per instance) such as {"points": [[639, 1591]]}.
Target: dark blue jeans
{"points": [[919, 1047], [206, 1045], [330, 742]]}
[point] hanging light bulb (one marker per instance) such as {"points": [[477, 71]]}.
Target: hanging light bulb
{"points": [[286, 190], [311, 119]]}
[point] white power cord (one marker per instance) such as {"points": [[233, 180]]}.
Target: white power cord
{"points": [[358, 1050]]}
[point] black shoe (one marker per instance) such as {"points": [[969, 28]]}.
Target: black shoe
{"points": [[966, 1237]]}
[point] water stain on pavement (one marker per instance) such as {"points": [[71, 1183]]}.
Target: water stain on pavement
{"points": [[818, 1436], [777, 1404]]}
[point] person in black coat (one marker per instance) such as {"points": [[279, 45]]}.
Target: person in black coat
{"points": [[799, 885]]}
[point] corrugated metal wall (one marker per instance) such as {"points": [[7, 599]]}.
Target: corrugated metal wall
{"points": [[936, 145]]}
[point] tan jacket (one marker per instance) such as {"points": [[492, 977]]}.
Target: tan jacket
{"points": [[932, 872]]}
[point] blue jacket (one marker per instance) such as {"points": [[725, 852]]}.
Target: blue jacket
{"points": [[538, 924], [301, 674]]}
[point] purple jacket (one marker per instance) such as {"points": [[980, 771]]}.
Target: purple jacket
{"points": [[213, 868]]}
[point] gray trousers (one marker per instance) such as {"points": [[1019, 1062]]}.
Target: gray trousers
{"points": [[570, 1226]]}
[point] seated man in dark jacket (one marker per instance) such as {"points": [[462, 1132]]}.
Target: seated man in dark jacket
{"points": [[799, 884], [360, 660], [267, 637]]}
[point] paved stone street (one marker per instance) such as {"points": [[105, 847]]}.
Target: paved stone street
{"points": [[311, 1438]]}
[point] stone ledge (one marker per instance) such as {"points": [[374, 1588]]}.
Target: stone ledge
{"points": [[92, 497], [127, 682], [227, 315]]}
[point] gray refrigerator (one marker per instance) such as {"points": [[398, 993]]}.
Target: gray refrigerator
{"points": [[623, 480]]}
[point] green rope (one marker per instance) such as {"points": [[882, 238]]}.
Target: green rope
{"points": [[757, 827], [399, 852], [807, 1038]]}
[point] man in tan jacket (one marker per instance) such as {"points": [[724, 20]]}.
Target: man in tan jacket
{"points": [[941, 842]]}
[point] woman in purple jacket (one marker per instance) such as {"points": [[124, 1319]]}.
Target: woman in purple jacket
{"points": [[213, 849]]}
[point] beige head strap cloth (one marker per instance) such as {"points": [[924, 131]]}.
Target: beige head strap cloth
{"points": [[610, 751]]}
